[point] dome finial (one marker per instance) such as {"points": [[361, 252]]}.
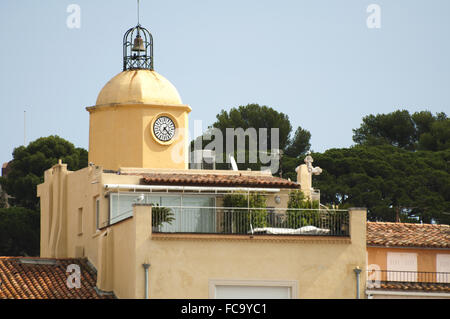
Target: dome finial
{"points": [[137, 49], [138, 11]]}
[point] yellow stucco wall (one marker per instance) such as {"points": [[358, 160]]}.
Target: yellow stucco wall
{"points": [[182, 267], [63, 196], [121, 136]]}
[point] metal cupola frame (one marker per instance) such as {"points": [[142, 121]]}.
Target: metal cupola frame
{"points": [[137, 49]]}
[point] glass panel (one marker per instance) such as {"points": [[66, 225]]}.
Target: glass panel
{"points": [[173, 203], [121, 206], [152, 199], [190, 213], [199, 213]]}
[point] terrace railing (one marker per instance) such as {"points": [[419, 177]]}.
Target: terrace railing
{"points": [[250, 221], [375, 276]]}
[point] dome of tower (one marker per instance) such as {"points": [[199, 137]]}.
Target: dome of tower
{"points": [[139, 86]]}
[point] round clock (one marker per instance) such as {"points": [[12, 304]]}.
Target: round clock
{"points": [[164, 128]]}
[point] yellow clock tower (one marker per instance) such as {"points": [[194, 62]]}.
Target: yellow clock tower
{"points": [[139, 119]]}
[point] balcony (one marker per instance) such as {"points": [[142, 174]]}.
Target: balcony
{"points": [[249, 221], [378, 278]]}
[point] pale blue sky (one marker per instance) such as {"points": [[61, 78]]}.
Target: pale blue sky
{"points": [[316, 61]]}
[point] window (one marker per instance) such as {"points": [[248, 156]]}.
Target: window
{"points": [[401, 266], [80, 221], [192, 213], [252, 289], [443, 268], [197, 215], [121, 206], [96, 213]]}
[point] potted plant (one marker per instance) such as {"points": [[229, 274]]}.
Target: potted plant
{"points": [[161, 215]]}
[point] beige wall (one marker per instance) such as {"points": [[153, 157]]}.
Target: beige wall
{"points": [[63, 196], [181, 266], [121, 136]]}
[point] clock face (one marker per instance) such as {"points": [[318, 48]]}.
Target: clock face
{"points": [[164, 128]]}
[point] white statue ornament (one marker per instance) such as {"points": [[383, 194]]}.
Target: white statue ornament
{"points": [[304, 174], [312, 170]]}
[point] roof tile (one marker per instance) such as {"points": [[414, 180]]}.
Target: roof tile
{"points": [[413, 286], [408, 235], [229, 180], [34, 280]]}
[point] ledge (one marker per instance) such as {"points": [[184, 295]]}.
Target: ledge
{"points": [[259, 238], [183, 107]]}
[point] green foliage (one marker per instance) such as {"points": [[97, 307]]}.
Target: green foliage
{"points": [[437, 138], [289, 164], [386, 179], [240, 219], [296, 217], [299, 144], [256, 116], [297, 200], [19, 232], [396, 128], [29, 163], [421, 130], [3, 201], [161, 215]]}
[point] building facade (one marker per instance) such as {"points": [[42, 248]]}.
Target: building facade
{"points": [[408, 260], [153, 228]]}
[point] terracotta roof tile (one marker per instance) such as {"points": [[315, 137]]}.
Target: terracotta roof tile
{"points": [[231, 180], [408, 235], [41, 278]]}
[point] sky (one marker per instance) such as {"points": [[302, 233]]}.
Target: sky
{"points": [[316, 61]]}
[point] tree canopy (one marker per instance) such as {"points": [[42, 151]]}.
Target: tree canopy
{"points": [[399, 166], [256, 116], [19, 232], [419, 131], [30, 162], [387, 180]]}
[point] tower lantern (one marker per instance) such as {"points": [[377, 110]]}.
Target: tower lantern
{"points": [[138, 49]]}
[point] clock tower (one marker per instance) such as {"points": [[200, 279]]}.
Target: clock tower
{"points": [[139, 119]]}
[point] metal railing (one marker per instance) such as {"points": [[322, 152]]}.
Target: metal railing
{"points": [[253, 221], [374, 276]]}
